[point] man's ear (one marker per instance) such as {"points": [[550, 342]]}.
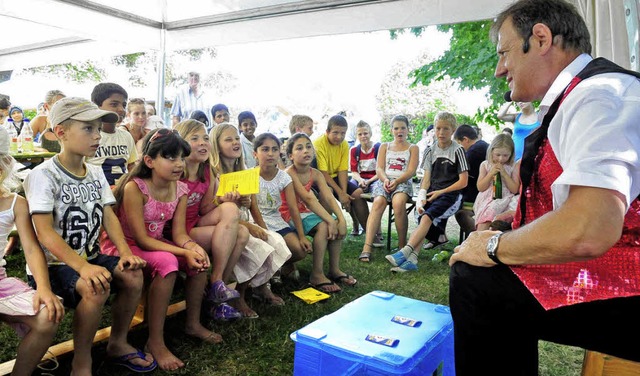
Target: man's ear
{"points": [[542, 37]]}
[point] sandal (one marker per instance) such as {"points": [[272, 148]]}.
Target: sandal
{"points": [[324, 287], [365, 256], [345, 279], [126, 361]]}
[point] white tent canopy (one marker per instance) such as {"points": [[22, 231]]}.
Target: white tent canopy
{"points": [[56, 31], [42, 32]]}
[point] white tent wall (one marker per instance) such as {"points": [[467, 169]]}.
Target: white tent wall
{"points": [[607, 24]]}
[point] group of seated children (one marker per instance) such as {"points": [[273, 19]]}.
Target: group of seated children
{"points": [[164, 217], [167, 216]]}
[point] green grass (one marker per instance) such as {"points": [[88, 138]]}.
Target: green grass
{"points": [[262, 346]]}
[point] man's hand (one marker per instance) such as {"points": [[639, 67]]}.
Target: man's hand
{"points": [[97, 278], [55, 309], [473, 251]]}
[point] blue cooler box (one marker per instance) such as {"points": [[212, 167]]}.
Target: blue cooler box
{"points": [[378, 334]]}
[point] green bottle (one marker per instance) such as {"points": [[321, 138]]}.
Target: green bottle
{"points": [[497, 186]]}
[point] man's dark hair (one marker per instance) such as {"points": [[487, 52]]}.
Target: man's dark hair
{"points": [[465, 130], [561, 17], [102, 91]]}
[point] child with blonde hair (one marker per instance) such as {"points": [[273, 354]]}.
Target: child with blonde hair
{"points": [[445, 175], [498, 182], [34, 314], [213, 222], [136, 118], [266, 251]]}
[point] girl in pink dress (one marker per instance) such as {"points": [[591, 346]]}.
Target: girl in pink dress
{"points": [[150, 196], [34, 314], [500, 160], [211, 221]]}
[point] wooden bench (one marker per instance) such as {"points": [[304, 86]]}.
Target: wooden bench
{"points": [[391, 217], [101, 335], [599, 364]]}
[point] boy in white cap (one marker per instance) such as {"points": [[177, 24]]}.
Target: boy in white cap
{"points": [[69, 201]]}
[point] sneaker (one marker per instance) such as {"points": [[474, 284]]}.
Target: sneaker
{"points": [[220, 293], [396, 259], [225, 312], [406, 266]]}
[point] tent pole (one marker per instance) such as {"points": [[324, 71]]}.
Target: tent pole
{"points": [[162, 57]]}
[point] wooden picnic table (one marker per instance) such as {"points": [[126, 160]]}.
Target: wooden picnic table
{"points": [[34, 158]]}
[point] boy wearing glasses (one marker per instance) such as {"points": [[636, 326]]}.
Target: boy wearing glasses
{"points": [[69, 201], [117, 152]]}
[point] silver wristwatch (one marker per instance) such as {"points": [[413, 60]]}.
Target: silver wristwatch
{"points": [[492, 248]]}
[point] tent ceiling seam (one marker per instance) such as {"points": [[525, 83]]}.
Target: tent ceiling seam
{"points": [[114, 12], [54, 43], [268, 12]]}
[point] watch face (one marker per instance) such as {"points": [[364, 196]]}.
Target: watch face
{"points": [[492, 245]]}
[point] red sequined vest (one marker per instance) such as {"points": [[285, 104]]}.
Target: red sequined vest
{"points": [[612, 275]]}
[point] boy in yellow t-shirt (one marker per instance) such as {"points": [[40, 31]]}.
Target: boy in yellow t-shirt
{"points": [[332, 154]]}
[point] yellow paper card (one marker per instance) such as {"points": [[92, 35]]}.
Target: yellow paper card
{"points": [[311, 295], [246, 182]]}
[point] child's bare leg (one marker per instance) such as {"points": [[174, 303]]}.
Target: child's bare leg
{"points": [[320, 244], [360, 207], [129, 283], [354, 220], [241, 243], [159, 294], [399, 203], [269, 297], [373, 225], [241, 303], [226, 219], [193, 297], [297, 254], [86, 319], [335, 247], [35, 344], [417, 236]]}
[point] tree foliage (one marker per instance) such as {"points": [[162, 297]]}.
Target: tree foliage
{"points": [[470, 61], [79, 72]]}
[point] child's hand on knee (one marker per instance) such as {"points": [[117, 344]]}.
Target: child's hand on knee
{"points": [[97, 278]]}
